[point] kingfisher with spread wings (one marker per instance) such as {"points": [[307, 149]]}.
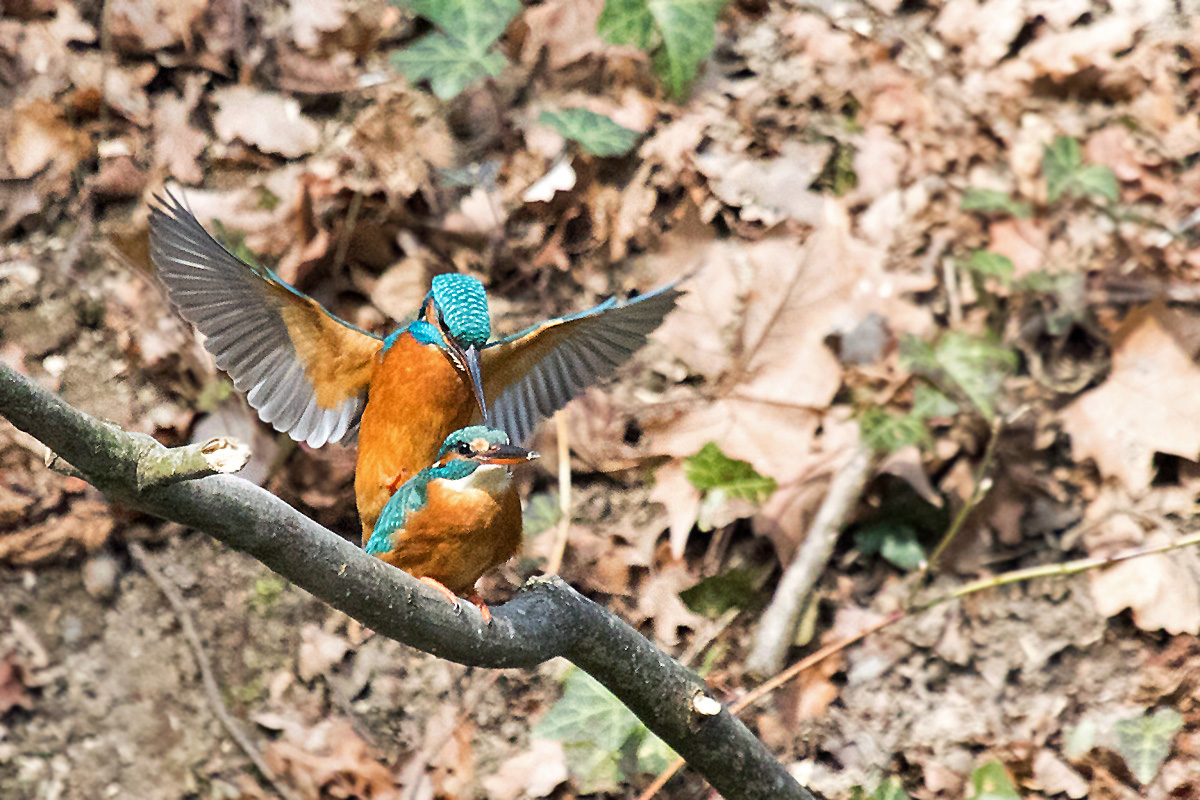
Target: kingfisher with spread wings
{"points": [[320, 379]]}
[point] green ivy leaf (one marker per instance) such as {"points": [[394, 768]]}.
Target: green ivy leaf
{"points": [[711, 469], [688, 35], [627, 22], [653, 754], [587, 714], [928, 402], [541, 512], [895, 541], [886, 432], [1145, 741], [476, 23], [715, 595], [978, 364], [992, 201], [890, 789], [991, 265], [1065, 174], [1099, 180], [991, 782], [594, 727], [1061, 160], [460, 53], [595, 133]]}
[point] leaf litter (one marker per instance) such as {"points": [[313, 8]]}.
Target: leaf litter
{"points": [[1004, 188]]}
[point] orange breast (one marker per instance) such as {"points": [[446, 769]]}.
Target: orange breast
{"points": [[416, 399], [458, 536]]}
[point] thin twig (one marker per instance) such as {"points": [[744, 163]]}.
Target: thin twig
{"points": [[564, 493], [207, 679], [779, 620], [983, 485], [348, 230]]}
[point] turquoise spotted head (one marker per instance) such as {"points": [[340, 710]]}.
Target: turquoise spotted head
{"points": [[467, 449], [457, 304]]}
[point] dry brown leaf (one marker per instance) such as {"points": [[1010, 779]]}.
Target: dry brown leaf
{"points": [[178, 144], [682, 501], [1022, 241], [143, 26], [1162, 591], [1061, 55], [658, 601], [332, 758], [1149, 404], [534, 773], [271, 122], [320, 651], [768, 190], [86, 526], [312, 18], [12, 685], [398, 138], [41, 135], [565, 29]]}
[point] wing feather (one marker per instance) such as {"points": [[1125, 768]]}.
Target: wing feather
{"points": [[529, 376], [304, 370]]}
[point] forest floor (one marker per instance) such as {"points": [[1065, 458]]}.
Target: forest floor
{"points": [[962, 235]]}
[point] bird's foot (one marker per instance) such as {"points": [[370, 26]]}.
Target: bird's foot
{"points": [[436, 584], [482, 606]]}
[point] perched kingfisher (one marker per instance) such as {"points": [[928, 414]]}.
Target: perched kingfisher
{"points": [[455, 520], [321, 379]]}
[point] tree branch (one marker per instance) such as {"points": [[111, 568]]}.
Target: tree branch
{"points": [[545, 620]]}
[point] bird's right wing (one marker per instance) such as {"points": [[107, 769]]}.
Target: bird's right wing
{"points": [[304, 370]]}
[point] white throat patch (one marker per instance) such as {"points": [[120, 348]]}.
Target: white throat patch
{"points": [[490, 478]]}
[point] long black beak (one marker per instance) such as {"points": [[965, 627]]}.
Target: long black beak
{"points": [[471, 357], [506, 454]]}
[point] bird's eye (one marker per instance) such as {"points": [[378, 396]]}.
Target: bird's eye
{"points": [[464, 449]]}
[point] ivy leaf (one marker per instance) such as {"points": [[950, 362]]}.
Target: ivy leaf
{"points": [[715, 595], [991, 782], [627, 22], [587, 714], [476, 23], [595, 727], [461, 52], [1145, 741], [688, 34], [890, 789], [993, 200], [541, 512], [710, 469], [1065, 174], [991, 265], [1098, 180], [595, 133], [896, 542], [653, 754], [886, 432], [929, 402], [1061, 159], [447, 63], [977, 365]]}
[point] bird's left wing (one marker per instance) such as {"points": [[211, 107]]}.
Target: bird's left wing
{"points": [[304, 370], [532, 374]]}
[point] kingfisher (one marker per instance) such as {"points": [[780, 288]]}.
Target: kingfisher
{"points": [[320, 379], [455, 520]]}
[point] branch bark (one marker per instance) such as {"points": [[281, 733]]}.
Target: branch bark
{"points": [[547, 619]]}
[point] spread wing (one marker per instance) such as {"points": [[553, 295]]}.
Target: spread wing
{"points": [[534, 373], [304, 370]]}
